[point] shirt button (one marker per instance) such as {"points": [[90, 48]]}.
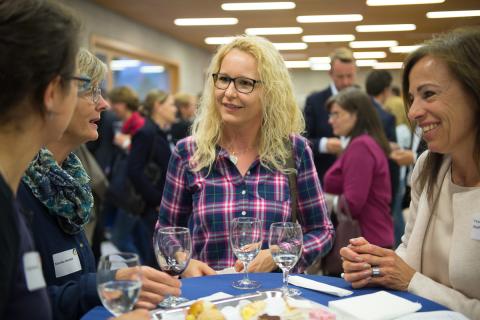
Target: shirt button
{"points": [[248, 172], [243, 191], [81, 245], [244, 213]]}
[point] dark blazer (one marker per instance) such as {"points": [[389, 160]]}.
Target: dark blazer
{"points": [[74, 294], [388, 121], [180, 130], [317, 127], [141, 148]]}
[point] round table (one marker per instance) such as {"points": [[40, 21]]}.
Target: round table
{"points": [[194, 288]]}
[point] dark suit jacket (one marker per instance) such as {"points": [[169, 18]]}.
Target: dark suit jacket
{"points": [[388, 121], [142, 146], [317, 127]]}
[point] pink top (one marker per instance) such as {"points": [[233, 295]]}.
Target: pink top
{"points": [[361, 174], [133, 124]]}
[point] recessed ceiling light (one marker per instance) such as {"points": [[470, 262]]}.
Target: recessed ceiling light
{"points": [[205, 21], [291, 46], [400, 2], [330, 18], [404, 49], [319, 59], [366, 63], [122, 64], [218, 40], [257, 6], [369, 55], [329, 38], [373, 44], [152, 69], [297, 64], [385, 27], [320, 66], [267, 31], [453, 14], [388, 65]]}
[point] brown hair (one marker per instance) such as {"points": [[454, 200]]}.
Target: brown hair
{"points": [[126, 95], [152, 97], [355, 101], [459, 50]]}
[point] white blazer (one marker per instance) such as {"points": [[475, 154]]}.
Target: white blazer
{"points": [[464, 259]]}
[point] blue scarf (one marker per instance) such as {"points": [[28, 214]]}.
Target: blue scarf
{"points": [[65, 190]]}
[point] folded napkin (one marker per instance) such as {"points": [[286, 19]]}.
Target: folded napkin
{"points": [[375, 306], [213, 297], [318, 286]]}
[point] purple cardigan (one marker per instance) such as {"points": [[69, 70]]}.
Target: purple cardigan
{"points": [[361, 174]]}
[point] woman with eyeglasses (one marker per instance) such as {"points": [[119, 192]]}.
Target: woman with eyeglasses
{"points": [[55, 191], [38, 46], [235, 162]]}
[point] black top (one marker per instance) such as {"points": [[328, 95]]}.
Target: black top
{"points": [[16, 300]]}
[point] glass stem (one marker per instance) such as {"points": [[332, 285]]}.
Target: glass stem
{"points": [[245, 272], [285, 280]]}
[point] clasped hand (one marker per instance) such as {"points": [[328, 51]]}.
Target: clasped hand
{"points": [[360, 256]]}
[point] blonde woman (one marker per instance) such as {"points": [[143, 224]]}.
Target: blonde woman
{"points": [[234, 164]]}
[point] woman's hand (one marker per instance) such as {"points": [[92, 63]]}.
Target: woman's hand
{"points": [[197, 268], [402, 157], [263, 262], [359, 259], [155, 286], [139, 314]]}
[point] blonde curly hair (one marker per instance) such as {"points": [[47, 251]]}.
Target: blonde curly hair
{"points": [[281, 116]]}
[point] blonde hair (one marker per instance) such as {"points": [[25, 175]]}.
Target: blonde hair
{"points": [[343, 54], [91, 66], [152, 97], [280, 114]]}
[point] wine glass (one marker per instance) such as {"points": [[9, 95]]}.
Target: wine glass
{"points": [[119, 296], [173, 249], [246, 241], [286, 243]]}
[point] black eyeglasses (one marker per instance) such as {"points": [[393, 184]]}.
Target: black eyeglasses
{"points": [[81, 79], [242, 84]]}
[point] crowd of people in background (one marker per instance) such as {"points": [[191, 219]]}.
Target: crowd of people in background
{"points": [[80, 165]]}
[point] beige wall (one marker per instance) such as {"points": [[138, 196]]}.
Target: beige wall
{"points": [[99, 21], [192, 61]]}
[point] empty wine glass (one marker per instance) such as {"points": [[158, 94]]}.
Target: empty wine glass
{"points": [[119, 296], [286, 243], [246, 241], [173, 249]]}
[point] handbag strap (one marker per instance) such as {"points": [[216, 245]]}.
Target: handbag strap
{"points": [[292, 182]]}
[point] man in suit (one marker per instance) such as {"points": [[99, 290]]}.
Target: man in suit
{"points": [[325, 145]]}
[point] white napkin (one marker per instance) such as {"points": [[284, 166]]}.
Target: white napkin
{"points": [[434, 315], [375, 306], [215, 296], [318, 286]]}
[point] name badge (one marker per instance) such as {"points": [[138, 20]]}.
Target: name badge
{"points": [[66, 262], [476, 228], [32, 267]]}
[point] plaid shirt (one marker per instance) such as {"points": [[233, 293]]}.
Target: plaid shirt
{"points": [[207, 202]]}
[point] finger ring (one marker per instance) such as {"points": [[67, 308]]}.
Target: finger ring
{"points": [[342, 275], [375, 272]]}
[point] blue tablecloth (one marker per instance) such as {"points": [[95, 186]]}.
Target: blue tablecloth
{"points": [[194, 288]]}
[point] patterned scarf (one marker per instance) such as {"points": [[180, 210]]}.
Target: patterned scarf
{"points": [[65, 191]]}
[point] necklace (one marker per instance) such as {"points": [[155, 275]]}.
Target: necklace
{"points": [[233, 156]]}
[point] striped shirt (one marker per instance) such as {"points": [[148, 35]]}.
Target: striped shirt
{"points": [[206, 202]]}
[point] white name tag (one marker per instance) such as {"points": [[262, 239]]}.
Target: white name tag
{"points": [[66, 262], [32, 266], [476, 228]]}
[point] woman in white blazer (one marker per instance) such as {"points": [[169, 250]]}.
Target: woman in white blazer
{"points": [[439, 257]]}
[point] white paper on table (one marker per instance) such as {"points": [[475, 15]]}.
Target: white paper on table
{"points": [[434, 315], [227, 271], [380, 305], [215, 296], [318, 286]]}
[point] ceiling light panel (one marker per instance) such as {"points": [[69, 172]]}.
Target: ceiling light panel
{"points": [[330, 18], [400, 2], [297, 64], [403, 49], [319, 59], [385, 27], [373, 44], [270, 31], [218, 40], [453, 14], [205, 21], [388, 65], [320, 66], [291, 46], [241, 6], [329, 38], [369, 55], [366, 63]]}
